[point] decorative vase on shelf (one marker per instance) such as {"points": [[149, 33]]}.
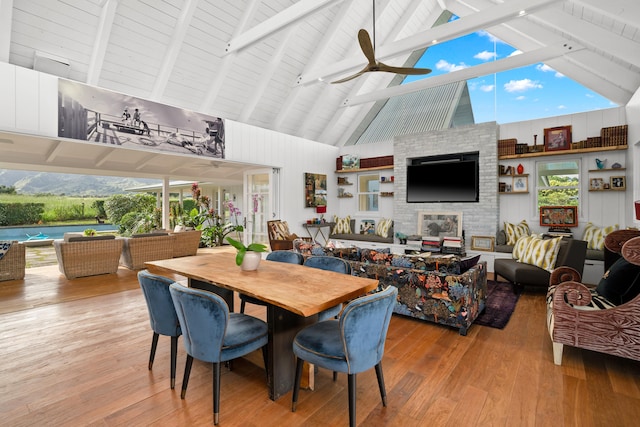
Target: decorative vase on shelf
{"points": [[520, 169], [251, 261]]}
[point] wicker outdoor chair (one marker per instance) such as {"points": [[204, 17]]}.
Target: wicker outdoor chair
{"points": [[141, 248], [12, 263], [186, 243], [88, 256]]}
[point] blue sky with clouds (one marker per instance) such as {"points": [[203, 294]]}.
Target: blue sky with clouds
{"points": [[522, 94]]}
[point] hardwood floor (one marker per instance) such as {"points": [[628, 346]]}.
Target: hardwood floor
{"points": [[75, 353]]}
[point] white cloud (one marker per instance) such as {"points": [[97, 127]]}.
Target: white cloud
{"points": [[546, 69], [487, 88], [521, 85], [589, 95], [521, 98], [447, 66], [485, 55], [515, 52], [492, 38], [562, 107]]}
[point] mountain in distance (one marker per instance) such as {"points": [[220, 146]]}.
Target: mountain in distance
{"points": [[27, 182]]}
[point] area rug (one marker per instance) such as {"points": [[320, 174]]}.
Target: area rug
{"points": [[501, 301]]}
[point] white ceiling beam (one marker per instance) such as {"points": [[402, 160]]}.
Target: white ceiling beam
{"points": [[104, 156], [320, 50], [488, 17], [6, 16], [592, 36], [624, 11], [101, 41], [53, 153], [173, 50], [511, 62], [224, 68], [292, 14], [265, 77]]}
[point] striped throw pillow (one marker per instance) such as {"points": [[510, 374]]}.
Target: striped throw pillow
{"points": [[343, 225], [520, 248], [542, 253], [383, 226], [594, 235], [515, 231]]}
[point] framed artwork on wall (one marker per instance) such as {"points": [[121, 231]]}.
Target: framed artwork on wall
{"points": [[617, 183], [482, 243], [558, 138], [439, 223], [520, 184], [315, 190], [559, 216]]}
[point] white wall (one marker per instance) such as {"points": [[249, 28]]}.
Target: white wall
{"points": [[295, 157]]}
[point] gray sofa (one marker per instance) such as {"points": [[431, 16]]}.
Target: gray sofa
{"points": [[571, 254]]}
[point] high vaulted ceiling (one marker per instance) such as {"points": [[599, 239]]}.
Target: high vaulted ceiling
{"points": [[268, 62]]}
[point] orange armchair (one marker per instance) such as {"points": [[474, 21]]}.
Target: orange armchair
{"points": [[280, 238]]}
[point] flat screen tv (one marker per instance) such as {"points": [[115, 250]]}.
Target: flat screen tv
{"points": [[448, 178]]}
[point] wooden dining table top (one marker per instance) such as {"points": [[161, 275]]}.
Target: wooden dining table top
{"points": [[301, 290]]}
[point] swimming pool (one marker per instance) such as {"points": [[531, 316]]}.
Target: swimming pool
{"points": [[53, 231]]}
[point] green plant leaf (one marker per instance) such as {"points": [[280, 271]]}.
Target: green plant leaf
{"points": [[257, 247]]}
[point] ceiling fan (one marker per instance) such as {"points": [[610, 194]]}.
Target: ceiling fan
{"points": [[368, 49]]}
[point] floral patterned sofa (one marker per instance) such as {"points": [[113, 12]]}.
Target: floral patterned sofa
{"points": [[443, 290]]}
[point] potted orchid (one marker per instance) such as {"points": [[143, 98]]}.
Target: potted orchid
{"points": [[247, 257]]}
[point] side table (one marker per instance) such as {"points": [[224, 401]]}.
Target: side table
{"points": [[317, 229]]}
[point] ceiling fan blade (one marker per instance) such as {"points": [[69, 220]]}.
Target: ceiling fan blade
{"points": [[367, 47], [346, 79], [402, 70]]}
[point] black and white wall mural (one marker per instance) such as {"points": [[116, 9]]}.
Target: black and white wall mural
{"points": [[91, 114]]}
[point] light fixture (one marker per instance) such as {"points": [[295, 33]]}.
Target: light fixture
{"points": [[522, 13]]}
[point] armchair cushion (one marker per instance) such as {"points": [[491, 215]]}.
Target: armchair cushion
{"points": [[621, 283]]}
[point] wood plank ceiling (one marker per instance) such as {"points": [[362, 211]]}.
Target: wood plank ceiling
{"points": [[268, 63]]}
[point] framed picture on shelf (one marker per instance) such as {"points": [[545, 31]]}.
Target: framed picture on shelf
{"points": [[439, 223], [596, 184], [559, 216], [558, 138], [617, 183], [520, 184], [482, 243]]}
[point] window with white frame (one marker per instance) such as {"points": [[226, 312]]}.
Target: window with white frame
{"points": [[558, 183], [368, 192]]}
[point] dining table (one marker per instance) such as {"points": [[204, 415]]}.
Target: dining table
{"points": [[294, 294]]}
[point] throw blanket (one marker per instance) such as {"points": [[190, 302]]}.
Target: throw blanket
{"points": [[4, 247]]}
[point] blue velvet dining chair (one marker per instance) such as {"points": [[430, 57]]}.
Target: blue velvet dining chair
{"points": [[277, 256], [331, 264], [162, 314], [214, 335], [352, 344]]}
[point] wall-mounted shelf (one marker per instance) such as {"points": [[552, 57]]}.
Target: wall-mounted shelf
{"points": [[607, 170], [559, 152], [513, 176], [345, 197], [513, 192], [377, 168], [607, 189], [345, 184], [386, 194]]}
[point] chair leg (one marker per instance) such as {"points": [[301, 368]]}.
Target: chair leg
{"points": [[383, 392], [242, 304], [352, 399], [216, 393], [185, 379], [296, 384], [154, 345], [335, 376], [174, 357]]}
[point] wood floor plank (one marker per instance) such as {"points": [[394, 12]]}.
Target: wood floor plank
{"points": [[76, 353]]}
